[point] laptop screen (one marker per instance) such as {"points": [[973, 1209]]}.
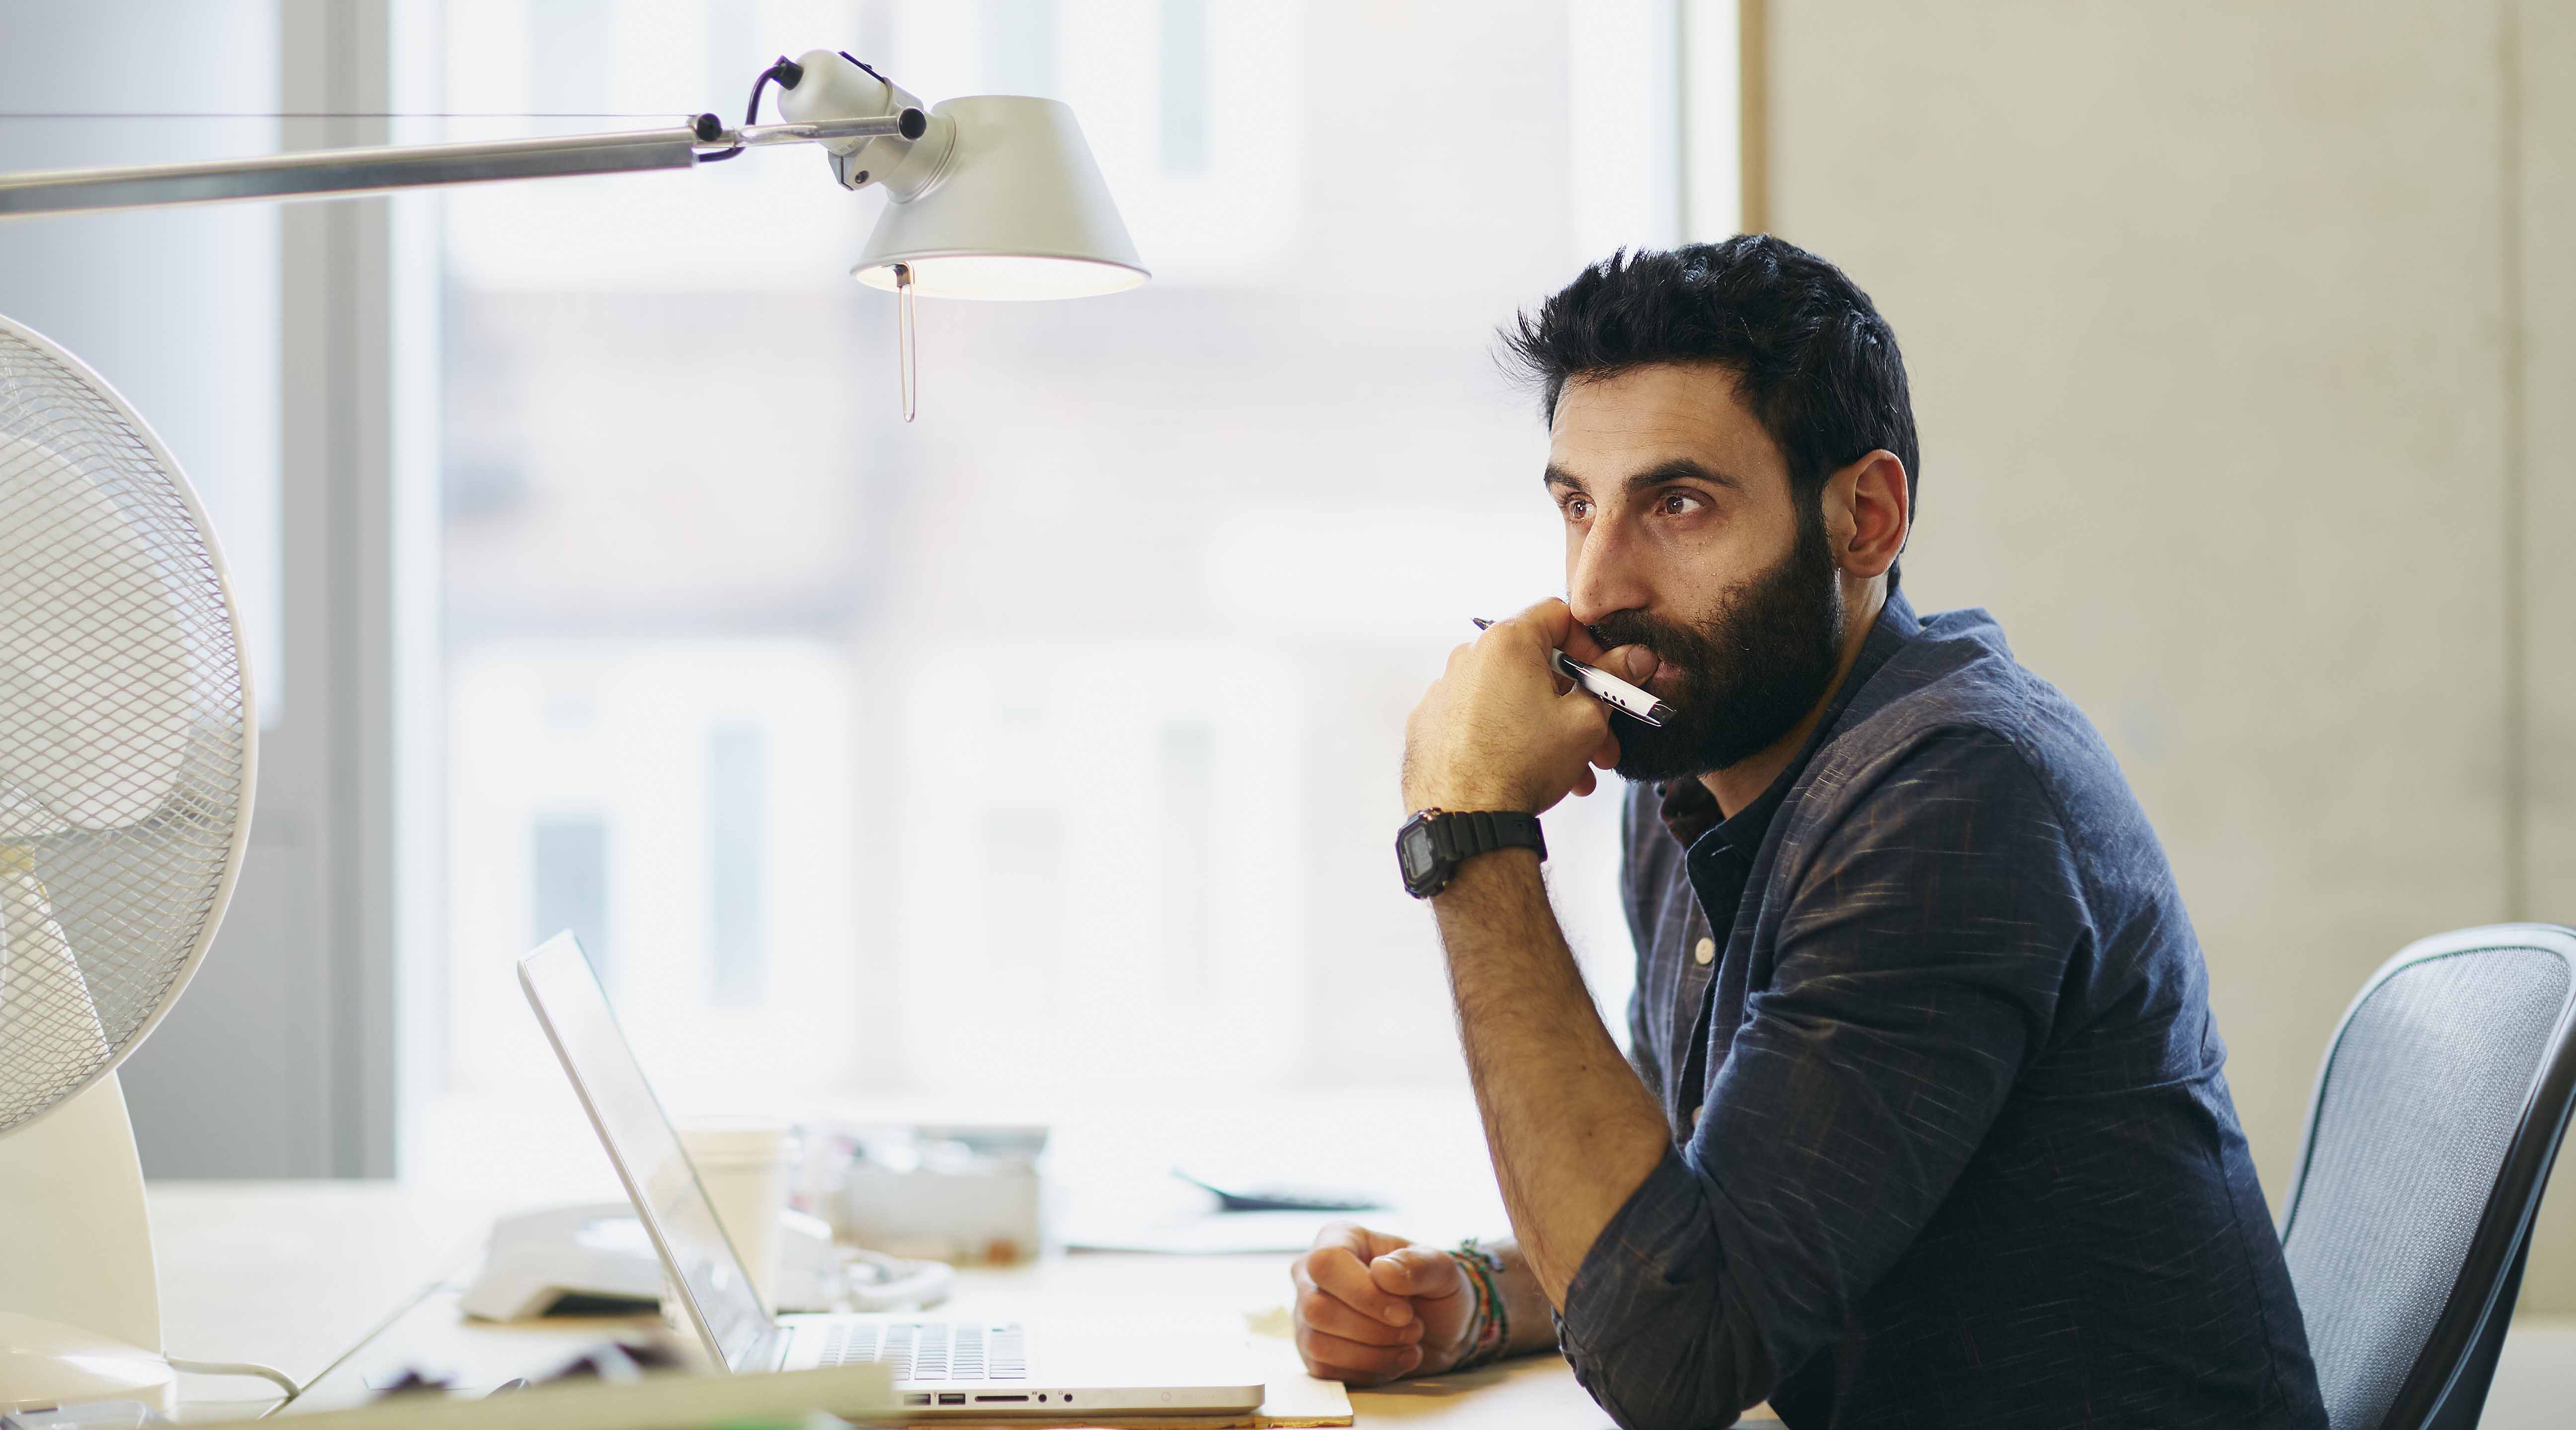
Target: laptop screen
{"points": [[660, 1181]]}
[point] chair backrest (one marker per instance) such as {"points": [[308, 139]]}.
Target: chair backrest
{"points": [[2440, 1106]]}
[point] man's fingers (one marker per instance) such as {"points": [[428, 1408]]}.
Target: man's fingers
{"points": [[1339, 1272], [1580, 644], [1350, 1236], [1334, 1317], [1333, 1358], [1587, 717], [1553, 620], [1379, 1243], [1632, 663], [1523, 640], [1605, 755], [1358, 1240], [1418, 1271]]}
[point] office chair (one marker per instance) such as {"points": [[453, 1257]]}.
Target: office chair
{"points": [[2442, 1101]]}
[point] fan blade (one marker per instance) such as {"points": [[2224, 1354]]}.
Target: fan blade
{"points": [[56, 1028], [97, 687]]}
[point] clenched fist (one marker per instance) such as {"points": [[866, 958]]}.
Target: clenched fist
{"points": [[1371, 1307]]}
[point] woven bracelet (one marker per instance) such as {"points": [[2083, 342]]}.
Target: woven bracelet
{"points": [[1493, 1320]]}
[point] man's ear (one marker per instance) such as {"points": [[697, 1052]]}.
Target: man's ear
{"points": [[1868, 514]]}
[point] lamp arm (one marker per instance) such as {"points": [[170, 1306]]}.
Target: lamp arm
{"points": [[324, 173]]}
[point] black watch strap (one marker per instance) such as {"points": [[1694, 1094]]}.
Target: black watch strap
{"points": [[1435, 842], [1477, 832]]}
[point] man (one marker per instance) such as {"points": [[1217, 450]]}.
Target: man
{"points": [[1925, 1124]]}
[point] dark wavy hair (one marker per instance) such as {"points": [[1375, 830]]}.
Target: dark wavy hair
{"points": [[1810, 354]]}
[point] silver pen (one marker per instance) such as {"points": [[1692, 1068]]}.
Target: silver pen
{"points": [[1601, 685]]}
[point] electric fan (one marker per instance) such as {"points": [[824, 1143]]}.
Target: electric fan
{"points": [[127, 748]]}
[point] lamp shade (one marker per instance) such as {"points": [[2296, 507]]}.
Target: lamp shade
{"points": [[1018, 211]]}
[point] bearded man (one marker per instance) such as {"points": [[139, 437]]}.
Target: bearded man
{"points": [[1922, 1122]]}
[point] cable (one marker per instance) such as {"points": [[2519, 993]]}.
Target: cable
{"points": [[272, 1374], [788, 73]]}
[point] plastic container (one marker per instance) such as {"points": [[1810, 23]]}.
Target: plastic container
{"points": [[746, 1164]]}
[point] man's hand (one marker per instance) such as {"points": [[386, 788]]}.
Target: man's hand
{"points": [[1500, 730], [1372, 1307]]}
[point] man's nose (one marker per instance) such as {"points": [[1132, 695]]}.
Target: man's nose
{"points": [[1602, 574]]}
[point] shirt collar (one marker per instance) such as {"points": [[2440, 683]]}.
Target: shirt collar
{"points": [[1690, 811]]}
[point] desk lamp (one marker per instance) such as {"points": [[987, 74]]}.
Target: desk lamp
{"points": [[993, 196]]}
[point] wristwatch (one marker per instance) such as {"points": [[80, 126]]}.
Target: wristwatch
{"points": [[1432, 844]]}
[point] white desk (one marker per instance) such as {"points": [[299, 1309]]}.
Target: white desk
{"points": [[299, 1274]]}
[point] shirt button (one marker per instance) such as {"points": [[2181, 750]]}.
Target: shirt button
{"points": [[1704, 950]]}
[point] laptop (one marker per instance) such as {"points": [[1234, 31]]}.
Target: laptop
{"points": [[980, 1368]]}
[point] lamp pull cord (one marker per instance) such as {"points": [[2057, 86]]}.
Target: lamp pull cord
{"points": [[904, 349]]}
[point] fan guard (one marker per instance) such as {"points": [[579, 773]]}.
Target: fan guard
{"points": [[127, 739]]}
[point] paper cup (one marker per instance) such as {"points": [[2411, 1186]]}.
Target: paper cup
{"points": [[746, 1165]]}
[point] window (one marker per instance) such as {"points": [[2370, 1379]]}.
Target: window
{"points": [[1042, 752], [568, 885], [737, 896], [1185, 86], [1019, 46]]}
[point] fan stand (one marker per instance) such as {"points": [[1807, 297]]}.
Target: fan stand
{"points": [[80, 1305]]}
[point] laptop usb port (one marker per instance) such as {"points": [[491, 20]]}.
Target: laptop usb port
{"points": [[987, 1399], [916, 1400], [952, 1397]]}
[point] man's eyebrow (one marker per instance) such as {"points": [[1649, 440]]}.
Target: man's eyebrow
{"points": [[1680, 469]]}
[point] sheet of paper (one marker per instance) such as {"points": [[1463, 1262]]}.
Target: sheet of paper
{"points": [[1199, 1233]]}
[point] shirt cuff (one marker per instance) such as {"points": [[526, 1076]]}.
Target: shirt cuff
{"points": [[1659, 1238]]}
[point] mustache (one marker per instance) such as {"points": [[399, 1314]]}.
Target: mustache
{"points": [[1671, 641], [1630, 628]]}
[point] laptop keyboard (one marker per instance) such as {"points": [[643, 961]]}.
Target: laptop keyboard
{"points": [[932, 1350]]}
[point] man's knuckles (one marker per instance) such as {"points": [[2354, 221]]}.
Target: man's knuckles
{"points": [[1333, 1358], [1550, 618], [1415, 1271], [1341, 1276], [1324, 1348], [1337, 1318]]}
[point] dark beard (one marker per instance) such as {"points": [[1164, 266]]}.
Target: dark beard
{"points": [[1748, 675]]}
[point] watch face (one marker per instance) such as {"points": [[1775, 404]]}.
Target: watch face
{"points": [[1413, 853]]}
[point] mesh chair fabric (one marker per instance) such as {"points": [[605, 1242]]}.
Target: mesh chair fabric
{"points": [[2421, 1097]]}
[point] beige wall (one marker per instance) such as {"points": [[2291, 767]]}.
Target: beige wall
{"points": [[2544, 36], [2210, 312]]}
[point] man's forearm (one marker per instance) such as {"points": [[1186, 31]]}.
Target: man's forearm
{"points": [[1571, 1130]]}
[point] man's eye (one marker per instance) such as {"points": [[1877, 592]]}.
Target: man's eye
{"points": [[1577, 508], [1680, 503]]}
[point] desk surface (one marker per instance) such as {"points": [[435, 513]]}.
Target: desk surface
{"points": [[297, 1274]]}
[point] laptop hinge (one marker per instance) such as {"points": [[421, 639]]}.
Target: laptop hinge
{"points": [[769, 1353]]}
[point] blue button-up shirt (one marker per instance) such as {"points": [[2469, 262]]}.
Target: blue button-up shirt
{"points": [[1951, 1146]]}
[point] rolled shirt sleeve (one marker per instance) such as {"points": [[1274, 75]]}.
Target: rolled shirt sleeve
{"points": [[1923, 940]]}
